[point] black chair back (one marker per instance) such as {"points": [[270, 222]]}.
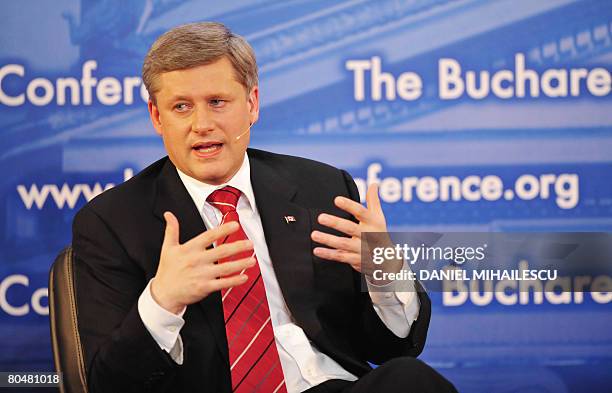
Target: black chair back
{"points": [[65, 339]]}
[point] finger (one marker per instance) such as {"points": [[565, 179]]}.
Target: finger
{"points": [[340, 224], [352, 207], [230, 268], [228, 250], [227, 282], [171, 235], [206, 238], [337, 242], [339, 256], [372, 199]]}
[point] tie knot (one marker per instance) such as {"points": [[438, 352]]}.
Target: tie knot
{"points": [[225, 199]]}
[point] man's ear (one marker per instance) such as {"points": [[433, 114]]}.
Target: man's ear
{"points": [[155, 117], [254, 104]]}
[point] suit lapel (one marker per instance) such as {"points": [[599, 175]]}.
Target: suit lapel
{"points": [[172, 196], [287, 228]]}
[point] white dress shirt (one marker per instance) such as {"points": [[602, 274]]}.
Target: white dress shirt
{"points": [[304, 366]]}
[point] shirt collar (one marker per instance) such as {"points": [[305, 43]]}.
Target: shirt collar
{"points": [[199, 191]]}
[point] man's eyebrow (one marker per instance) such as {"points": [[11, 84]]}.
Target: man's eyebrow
{"points": [[209, 96], [179, 98], [218, 94]]}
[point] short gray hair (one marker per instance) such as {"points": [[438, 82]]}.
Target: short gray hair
{"points": [[197, 44]]}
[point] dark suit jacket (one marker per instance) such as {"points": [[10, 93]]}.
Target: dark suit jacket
{"points": [[117, 240]]}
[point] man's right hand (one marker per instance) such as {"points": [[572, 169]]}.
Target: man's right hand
{"points": [[189, 272]]}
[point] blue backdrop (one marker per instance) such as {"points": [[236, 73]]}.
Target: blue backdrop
{"points": [[473, 115]]}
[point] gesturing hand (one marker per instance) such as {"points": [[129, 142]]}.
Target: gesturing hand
{"points": [[188, 272], [348, 249]]}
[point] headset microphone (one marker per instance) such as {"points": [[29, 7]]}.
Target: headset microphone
{"points": [[244, 133]]}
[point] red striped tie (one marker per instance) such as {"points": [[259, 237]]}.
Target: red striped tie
{"points": [[254, 361]]}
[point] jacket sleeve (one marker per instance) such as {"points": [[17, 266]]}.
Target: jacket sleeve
{"points": [[120, 354], [377, 342]]}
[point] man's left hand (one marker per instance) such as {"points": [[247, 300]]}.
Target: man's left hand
{"points": [[348, 249]]}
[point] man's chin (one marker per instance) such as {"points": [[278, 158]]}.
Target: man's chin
{"points": [[212, 180], [212, 177], [213, 171]]}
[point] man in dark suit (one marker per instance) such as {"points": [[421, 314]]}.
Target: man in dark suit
{"points": [[277, 304]]}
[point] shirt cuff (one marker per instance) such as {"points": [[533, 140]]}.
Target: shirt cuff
{"points": [[394, 293], [163, 325], [396, 304]]}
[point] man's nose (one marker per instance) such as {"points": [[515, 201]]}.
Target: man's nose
{"points": [[201, 120]]}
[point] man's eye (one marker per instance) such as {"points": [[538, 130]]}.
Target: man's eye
{"points": [[181, 107], [217, 102]]}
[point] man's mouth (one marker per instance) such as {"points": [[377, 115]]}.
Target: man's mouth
{"points": [[206, 149]]}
